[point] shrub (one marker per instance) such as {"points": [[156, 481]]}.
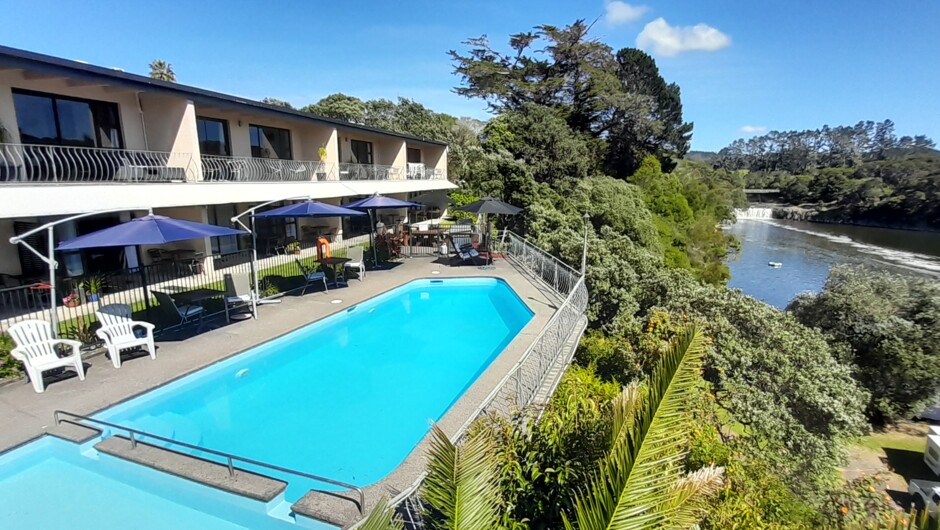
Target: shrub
{"points": [[9, 367], [889, 327]]}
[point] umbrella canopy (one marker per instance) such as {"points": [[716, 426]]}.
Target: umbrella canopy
{"points": [[147, 230], [490, 205], [309, 209], [380, 201]]}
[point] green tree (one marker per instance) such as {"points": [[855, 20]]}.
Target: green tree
{"points": [[277, 103], [889, 327], [162, 70], [626, 106], [340, 107], [656, 127]]}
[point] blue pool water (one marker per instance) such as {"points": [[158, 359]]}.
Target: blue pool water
{"points": [[49, 484], [348, 397]]}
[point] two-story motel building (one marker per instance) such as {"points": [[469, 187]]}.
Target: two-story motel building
{"points": [[79, 138]]}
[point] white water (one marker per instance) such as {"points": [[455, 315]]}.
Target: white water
{"points": [[753, 213], [925, 263]]}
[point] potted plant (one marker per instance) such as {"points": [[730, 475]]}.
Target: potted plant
{"points": [[322, 152], [293, 247], [84, 333], [71, 300], [93, 287]]}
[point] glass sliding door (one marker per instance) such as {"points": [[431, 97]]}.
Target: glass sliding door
{"points": [[213, 137], [270, 142], [50, 119]]}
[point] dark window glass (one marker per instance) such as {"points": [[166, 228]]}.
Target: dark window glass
{"points": [[361, 151], [57, 120], [414, 155], [213, 136], [269, 142], [35, 116], [221, 215], [75, 123], [108, 124]]}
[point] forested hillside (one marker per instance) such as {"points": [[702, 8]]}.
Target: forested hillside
{"points": [[861, 174]]}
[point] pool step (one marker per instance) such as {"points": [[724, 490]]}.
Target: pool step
{"points": [[244, 483], [74, 433], [340, 508]]}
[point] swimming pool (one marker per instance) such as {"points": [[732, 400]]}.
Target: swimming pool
{"points": [[347, 397], [50, 484]]}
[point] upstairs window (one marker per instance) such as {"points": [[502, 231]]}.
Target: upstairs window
{"points": [[361, 151], [270, 142], [49, 119], [414, 155], [213, 137]]}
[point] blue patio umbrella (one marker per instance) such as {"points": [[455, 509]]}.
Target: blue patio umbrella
{"points": [[147, 230], [309, 209], [375, 202]]}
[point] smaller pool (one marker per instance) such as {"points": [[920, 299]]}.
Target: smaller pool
{"points": [[51, 484]]}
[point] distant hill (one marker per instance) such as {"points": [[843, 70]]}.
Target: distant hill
{"points": [[900, 152], [701, 156]]}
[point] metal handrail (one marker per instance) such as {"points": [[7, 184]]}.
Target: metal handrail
{"points": [[353, 171], [28, 163], [230, 458], [254, 169]]}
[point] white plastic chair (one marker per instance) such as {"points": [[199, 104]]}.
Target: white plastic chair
{"points": [[36, 349], [118, 332], [356, 262]]}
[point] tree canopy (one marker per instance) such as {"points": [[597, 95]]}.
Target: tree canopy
{"points": [[162, 70], [619, 98]]}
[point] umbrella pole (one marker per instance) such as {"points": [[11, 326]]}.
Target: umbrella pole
{"points": [[53, 315], [143, 281], [254, 269], [375, 254]]}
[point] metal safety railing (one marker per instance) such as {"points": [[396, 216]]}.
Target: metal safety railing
{"points": [[539, 367], [136, 434], [349, 171], [251, 169], [21, 163]]}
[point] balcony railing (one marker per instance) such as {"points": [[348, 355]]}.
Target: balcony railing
{"points": [[422, 172], [348, 171], [249, 169], [56, 164]]}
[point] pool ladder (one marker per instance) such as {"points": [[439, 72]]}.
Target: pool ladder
{"points": [[230, 459]]}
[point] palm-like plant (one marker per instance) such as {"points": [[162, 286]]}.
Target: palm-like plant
{"points": [[382, 517], [162, 70], [641, 483], [460, 491]]}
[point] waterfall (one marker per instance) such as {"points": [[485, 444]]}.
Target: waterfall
{"points": [[754, 213]]}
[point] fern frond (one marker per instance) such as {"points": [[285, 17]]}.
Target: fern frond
{"points": [[461, 486]]}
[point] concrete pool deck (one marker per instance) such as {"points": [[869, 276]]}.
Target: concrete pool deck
{"points": [[27, 415]]}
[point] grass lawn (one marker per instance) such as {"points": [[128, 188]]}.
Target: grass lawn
{"points": [[901, 441]]}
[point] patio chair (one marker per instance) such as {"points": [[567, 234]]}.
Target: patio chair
{"points": [[464, 252], [238, 291], [119, 332], [311, 277], [36, 349], [182, 314], [355, 255]]}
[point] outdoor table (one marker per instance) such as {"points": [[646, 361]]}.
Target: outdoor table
{"points": [[334, 263], [38, 290], [200, 295]]}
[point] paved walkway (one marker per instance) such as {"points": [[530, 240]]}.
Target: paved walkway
{"points": [[27, 415]]}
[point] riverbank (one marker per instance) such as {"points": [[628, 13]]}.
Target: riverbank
{"points": [[838, 216]]}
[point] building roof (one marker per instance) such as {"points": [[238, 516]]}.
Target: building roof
{"points": [[56, 66]]}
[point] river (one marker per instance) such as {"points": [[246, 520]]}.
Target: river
{"points": [[806, 251]]}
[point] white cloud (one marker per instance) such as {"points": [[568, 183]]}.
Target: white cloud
{"points": [[619, 12], [673, 40], [753, 129]]}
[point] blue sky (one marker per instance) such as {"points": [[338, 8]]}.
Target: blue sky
{"points": [[748, 65]]}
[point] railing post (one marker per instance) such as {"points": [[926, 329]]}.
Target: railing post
{"points": [[133, 440], [231, 468]]}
